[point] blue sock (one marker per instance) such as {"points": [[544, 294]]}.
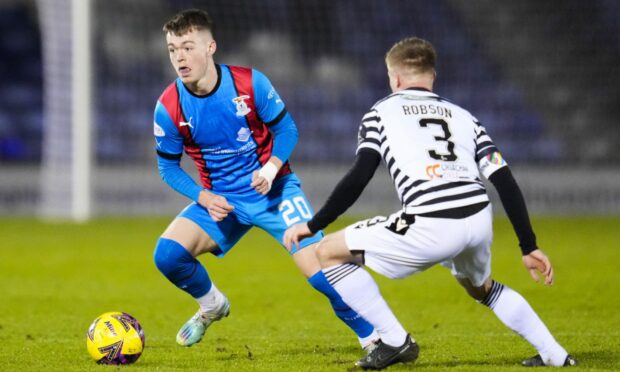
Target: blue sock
{"points": [[183, 270], [352, 319]]}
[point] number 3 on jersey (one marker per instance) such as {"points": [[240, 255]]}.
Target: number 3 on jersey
{"points": [[424, 123], [293, 210]]}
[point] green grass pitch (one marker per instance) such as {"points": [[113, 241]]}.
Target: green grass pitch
{"points": [[56, 278]]}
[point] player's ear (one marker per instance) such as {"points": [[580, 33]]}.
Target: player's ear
{"points": [[212, 47], [397, 81]]}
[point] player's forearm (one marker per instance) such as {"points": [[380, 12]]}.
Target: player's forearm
{"points": [[514, 205], [347, 190], [172, 173], [276, 161], [285, 138]]}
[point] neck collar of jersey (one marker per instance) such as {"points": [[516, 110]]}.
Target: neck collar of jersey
{"points": [[418, 88], [218, 70]]}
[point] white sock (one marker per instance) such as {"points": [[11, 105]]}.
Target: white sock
{"points": [[365, 341], [514, 311], [360, 292], [212, 300]]}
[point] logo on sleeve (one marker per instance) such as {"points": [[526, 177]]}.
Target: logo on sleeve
{"points": [[272, 93], [496, 158], [242, 107], [159, 131], [361, 134]]}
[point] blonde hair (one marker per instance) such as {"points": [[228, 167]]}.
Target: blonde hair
{"points": [[412, 55]]}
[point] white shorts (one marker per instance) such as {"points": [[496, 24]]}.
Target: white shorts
{"points": [[396, 249]]}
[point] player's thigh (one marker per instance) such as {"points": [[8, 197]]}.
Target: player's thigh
{"points": [[330, 251], [286, 205], [333, 250], [191, 236], [195, 230], [400, 245], [473, 263]]}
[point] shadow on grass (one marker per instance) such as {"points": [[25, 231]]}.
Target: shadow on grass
{"points": [[340, 357], [607, 359], [596, 359]]}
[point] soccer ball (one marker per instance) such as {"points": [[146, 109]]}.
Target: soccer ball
{"points": [[115, 338]]}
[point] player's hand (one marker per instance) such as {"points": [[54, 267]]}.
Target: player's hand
{"points": [[294, 234], [262, 179], [260, 184], [537, 262], [216, 205]]}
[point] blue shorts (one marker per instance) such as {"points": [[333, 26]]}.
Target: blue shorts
{"points": [[283, 206]]}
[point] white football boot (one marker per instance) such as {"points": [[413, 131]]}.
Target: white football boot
{"points": [[194, 329]]}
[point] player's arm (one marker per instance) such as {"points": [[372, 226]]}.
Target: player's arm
{"points": [[171, 172], [514, 204], [284, 141], [169, 147], [346, 192], [272, 111], [352, 184], [496, 170]]}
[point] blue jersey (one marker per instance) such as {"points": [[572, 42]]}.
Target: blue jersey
{"points": [[225, 132]]}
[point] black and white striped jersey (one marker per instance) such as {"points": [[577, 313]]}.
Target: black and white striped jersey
{"points": [[435, 151]]}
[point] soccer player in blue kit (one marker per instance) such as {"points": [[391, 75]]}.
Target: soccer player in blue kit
{"points": [[235, 127]]}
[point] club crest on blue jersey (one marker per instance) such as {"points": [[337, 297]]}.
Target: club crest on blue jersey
{"points": [[242, 107]]}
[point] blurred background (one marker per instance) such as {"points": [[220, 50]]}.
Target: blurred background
{"points": [[542, 76]]}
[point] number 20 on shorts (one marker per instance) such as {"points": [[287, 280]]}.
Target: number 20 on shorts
{"points": [[293, 210]]}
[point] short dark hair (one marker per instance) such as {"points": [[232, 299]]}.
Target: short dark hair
{"points": [[187, 20], [412, 53]]}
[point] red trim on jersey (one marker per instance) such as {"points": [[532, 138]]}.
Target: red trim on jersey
{"points": [[242, 78], [170, 99]]}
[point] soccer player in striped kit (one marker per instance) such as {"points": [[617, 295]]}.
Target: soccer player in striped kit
{"points": [[233, 124], [435, 152]]}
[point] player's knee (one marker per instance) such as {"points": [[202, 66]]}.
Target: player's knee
{"points": [[169, 256], [323, 252], [332, 250]]}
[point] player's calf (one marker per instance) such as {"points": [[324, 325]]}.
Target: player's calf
{"points": [[365, 331], [181, 268], [517, 314]]}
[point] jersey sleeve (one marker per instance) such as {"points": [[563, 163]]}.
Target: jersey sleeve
{"points": [[169, 146], [168, 140], [370, 132], [270, 107], [488, 157]]}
